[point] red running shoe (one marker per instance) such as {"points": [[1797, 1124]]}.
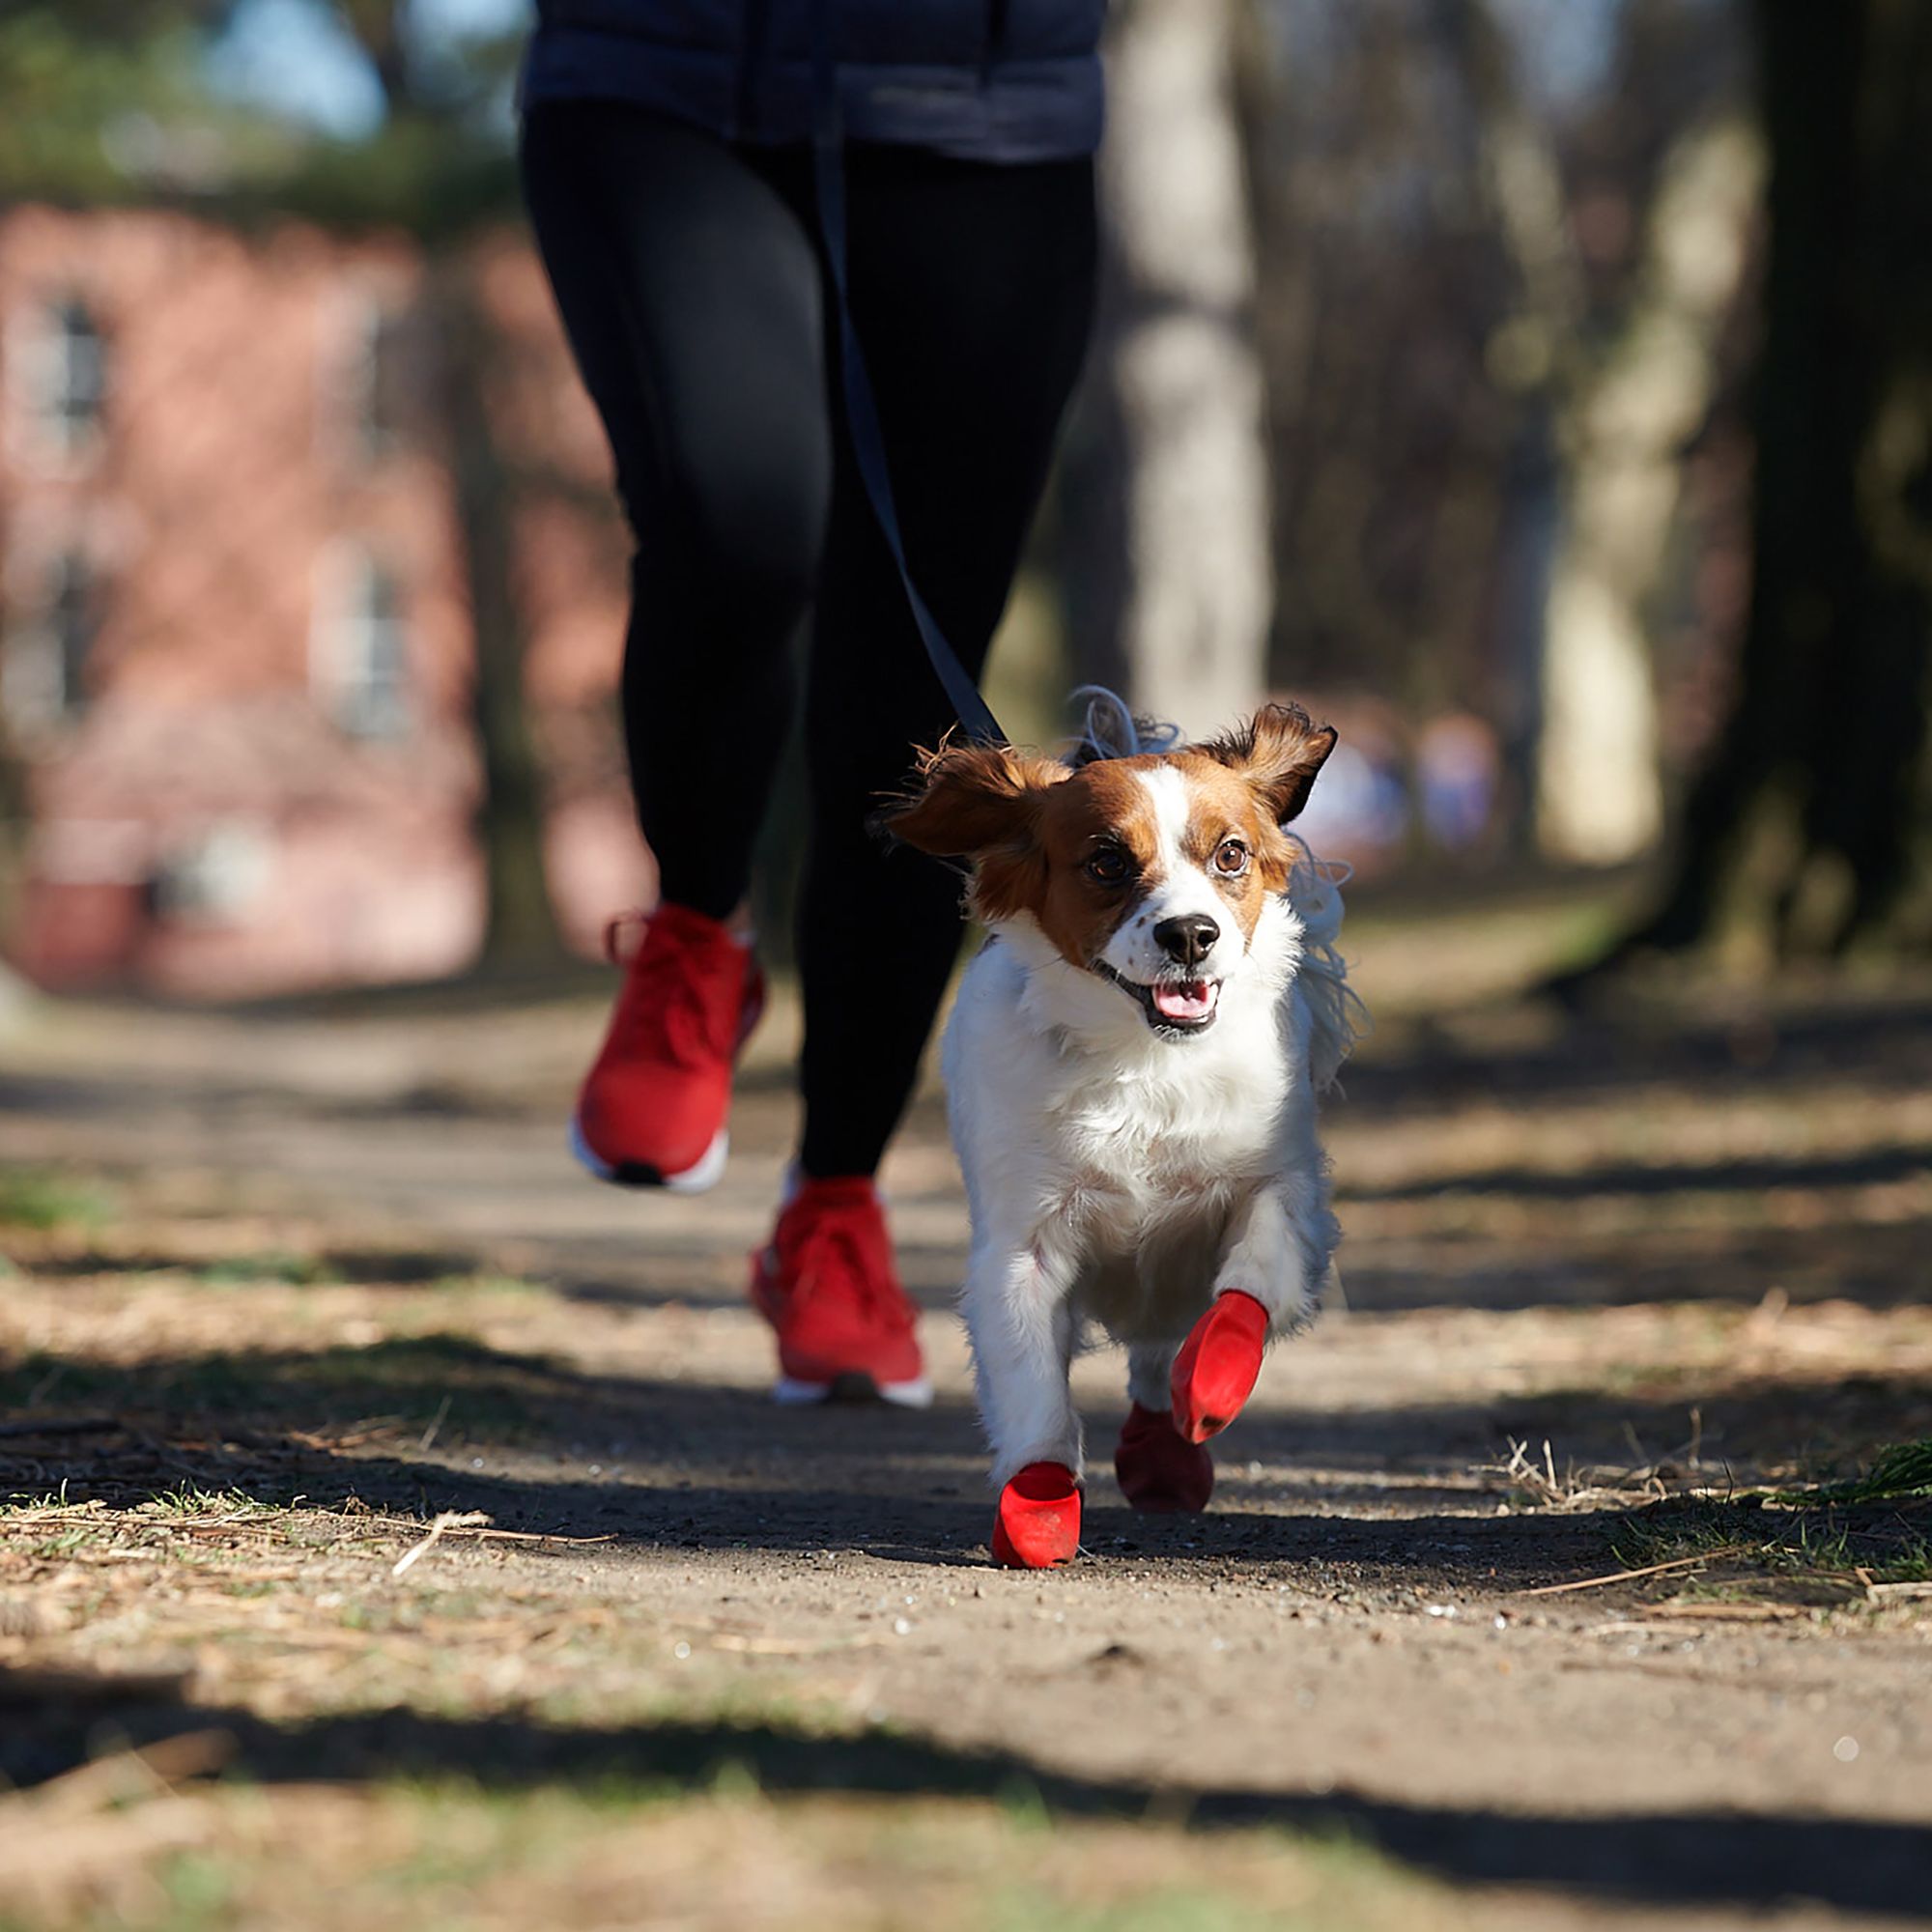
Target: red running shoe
{"points": [[826, 1283], [653, 1106]]}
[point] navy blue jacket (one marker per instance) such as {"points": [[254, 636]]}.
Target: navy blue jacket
{"points": [[991, 80]]}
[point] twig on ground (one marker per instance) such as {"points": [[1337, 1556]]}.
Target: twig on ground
{"points": [[444, 1519], [778, 1646], [1632, 1576], [536, 1536], [1893, 1593], [475, 1523], [429, 1434]]}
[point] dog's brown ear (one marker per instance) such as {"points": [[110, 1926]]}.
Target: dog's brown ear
{"points": [[1278, 754], [968, 798]]}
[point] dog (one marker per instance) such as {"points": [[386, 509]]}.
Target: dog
{"points": [[1132, 1068]]}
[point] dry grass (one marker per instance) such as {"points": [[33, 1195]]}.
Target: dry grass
{"points": [[283, 1480], [127, 1844], [1533, 1481]]}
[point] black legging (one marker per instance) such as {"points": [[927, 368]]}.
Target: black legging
{"points": [[689, 278]]}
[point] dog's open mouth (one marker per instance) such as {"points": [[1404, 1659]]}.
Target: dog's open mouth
{"points": [[1172, 1006]]}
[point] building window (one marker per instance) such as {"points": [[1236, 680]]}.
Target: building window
{"points": [[61, 362], [44, 673], [376, 380], [216, 877], [362, 660]]}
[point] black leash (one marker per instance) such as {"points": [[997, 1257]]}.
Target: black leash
{"points": [[861, 409]]}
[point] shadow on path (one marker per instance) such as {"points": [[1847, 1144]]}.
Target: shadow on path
{"points": [[1671, 1859], [418, 1424]]}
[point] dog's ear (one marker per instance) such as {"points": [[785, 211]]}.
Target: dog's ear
{"points": [[968, 800], [1278, 754]]}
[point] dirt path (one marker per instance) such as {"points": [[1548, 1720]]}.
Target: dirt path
{"points": [[342, 1265]]}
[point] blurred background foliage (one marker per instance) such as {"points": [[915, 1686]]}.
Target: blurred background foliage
{"points": [[1542, 386]]}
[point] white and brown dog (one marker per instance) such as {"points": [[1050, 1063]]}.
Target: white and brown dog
{"points": [[1132, 1070]]}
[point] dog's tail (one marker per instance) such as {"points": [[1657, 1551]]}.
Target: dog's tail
{"points": [[1339, 1016]]}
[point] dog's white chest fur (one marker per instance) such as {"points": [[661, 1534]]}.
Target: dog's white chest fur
{"points": [[1121, 1159]]}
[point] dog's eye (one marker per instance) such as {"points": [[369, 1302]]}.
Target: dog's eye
{"points": [[1230, 859], [1108, 866]]}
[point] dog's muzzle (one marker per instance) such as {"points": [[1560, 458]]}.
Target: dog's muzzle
{"points": [[1174, 1006]]}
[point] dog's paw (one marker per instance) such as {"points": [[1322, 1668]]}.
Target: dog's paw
{"points": [[1038, 1524], [1215, 1370], [1159, 1473]]}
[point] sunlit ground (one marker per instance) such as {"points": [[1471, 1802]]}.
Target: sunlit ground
{"points": [[1525, 1567]]}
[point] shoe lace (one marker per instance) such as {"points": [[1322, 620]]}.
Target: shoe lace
{"points": [[662, 1011], [830, 1252]]}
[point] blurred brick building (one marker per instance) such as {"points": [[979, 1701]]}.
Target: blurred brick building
{"points": [[235, 633]]}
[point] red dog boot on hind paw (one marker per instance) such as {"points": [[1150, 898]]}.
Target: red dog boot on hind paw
{"points": [[1214, 1374], [1039, 1518], [1159, 1473]]}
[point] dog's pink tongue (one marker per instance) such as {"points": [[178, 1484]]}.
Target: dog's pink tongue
{"points": [[1194, 1001]]}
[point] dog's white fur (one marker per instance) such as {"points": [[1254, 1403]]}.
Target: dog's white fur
{"points": [[1118, 1174]]}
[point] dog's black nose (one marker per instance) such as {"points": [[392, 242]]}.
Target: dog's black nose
{"points": [[1187, 939]]}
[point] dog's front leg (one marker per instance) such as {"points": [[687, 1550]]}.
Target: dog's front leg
{"points": [[1019, 1314], [1278, 1253], [1279, 1248]]}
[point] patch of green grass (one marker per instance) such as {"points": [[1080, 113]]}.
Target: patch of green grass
{"points": [[190, 1499], [46, 1199], [1774, 1544], [484, 1283], [1867, 1524], [1169, 1908], [1903, 1470], [48, 1499], [294, 1271], [488, 1391], [75, 1536], [397, 1854]]}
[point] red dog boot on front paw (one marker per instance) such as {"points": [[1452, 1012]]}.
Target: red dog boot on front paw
{"points": [[1159, 1473], [1039, 1518], [1214, 1374]]}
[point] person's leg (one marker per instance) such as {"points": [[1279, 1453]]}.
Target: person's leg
{"points": [[972, 289], [691, 297]]}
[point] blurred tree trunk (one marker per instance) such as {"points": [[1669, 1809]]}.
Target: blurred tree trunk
{"points": [[1807, 832], [521, 926], [1169, 528], [1522, 183], [1598, 789], [16, 823], [1595, 478]]}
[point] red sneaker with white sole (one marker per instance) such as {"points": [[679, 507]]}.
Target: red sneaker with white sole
{"points": [[1038, 1524], [1218, 1364], [1159, 1474], [654, 1103], [827, 1286]]}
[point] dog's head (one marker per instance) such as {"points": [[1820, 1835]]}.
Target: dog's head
{"points": [[1152, 871]]}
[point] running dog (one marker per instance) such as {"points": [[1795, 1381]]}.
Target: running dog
{"points": [[1132, 1071]]}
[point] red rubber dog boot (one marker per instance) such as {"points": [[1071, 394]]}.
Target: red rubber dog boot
{"points": [[1214, 1374], [1038, 1519], [1160, 1474]]}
